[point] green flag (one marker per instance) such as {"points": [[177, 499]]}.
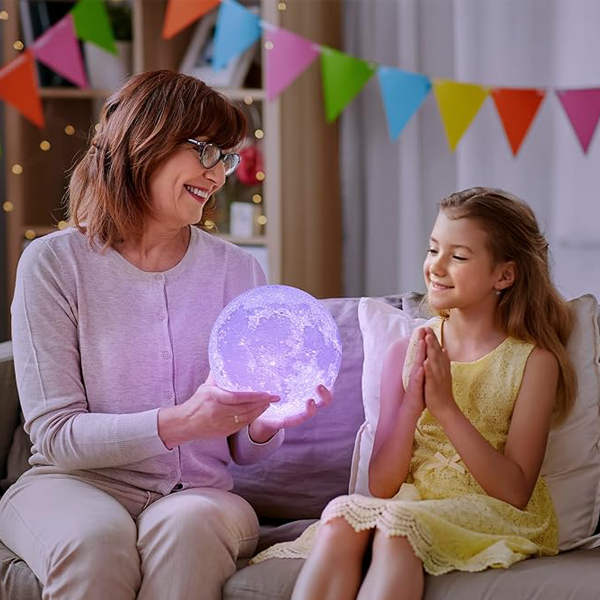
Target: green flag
{"points": [[343, 77], [93, 25]]}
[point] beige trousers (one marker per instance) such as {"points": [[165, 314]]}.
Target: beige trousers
{"points": [[89, 538]]}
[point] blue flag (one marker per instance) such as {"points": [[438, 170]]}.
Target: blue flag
{"points": [[403, 93], [237, 28]]}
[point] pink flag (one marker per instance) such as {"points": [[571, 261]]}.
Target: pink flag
{"points": [[288, 56], [58, 49], [583, 109]]}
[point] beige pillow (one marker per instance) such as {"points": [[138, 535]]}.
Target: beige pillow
{"points": [[572, 462]]}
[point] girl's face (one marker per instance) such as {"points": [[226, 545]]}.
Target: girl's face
{"points": [[458, 270], [180, 187]]}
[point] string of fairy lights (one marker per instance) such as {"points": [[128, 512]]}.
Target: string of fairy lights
{"points": [[17, 169]]}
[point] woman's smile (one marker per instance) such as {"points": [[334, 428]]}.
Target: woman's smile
{"points": [[198, 194]]}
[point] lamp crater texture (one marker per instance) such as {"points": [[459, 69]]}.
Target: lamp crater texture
{"points": [[277, 339]]}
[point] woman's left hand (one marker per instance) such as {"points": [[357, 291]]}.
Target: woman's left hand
{"points": [[265, 427], [438, 377]]}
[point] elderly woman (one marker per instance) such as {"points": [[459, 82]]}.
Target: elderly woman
{"points": [[128, 492]]}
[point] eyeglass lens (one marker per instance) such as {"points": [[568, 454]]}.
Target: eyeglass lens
{"points": [[210, 156]]}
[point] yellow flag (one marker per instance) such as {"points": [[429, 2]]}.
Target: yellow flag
{"points": [[458, 104]]}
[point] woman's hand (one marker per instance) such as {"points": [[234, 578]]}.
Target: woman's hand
{"points": [[210, 412], [263, 429], [414, 398], [438, 377]]}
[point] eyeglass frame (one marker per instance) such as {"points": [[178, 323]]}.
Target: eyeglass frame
{"points": [[222, 155]]}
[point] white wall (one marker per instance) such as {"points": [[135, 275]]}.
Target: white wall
{"points": [[390, 188]]}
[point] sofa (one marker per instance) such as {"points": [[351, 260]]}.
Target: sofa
{"points": [[290, 489]]}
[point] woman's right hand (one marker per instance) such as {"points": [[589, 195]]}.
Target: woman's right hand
{"points": [[210, 412]]}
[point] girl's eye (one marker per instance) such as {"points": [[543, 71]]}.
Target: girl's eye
{"points": [[459, 257], [432, 251]]}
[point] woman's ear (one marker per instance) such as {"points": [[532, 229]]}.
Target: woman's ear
{"points": [[507, 276]]}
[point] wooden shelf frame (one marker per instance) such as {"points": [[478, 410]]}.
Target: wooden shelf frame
{"points": [[301, 191]]}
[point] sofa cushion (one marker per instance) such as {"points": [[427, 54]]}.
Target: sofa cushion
{"points": [[313, 465], [18, 456], [572, 462], [569, 575], [9, 405], [16, 578]]}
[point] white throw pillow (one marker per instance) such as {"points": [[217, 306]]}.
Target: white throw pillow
{"points": [[572, 462], [381, 325]]}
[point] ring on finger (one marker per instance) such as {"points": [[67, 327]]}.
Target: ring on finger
{"points": [[236, 419]]}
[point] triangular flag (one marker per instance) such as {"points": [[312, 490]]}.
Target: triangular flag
{"points": [[18, 86], [583, 109], [403, 93], [288, 56], [517, 108], [236, 29], [343, 78], [58, 49], [458, 104], [181, 13], [93, 25]]}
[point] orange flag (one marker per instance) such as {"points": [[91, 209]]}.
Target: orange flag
{"points": [[517, 108], [18, 86], [181, 13]]}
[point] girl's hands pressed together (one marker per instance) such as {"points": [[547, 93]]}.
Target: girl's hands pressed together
{"points": [[414, 398], [438, 377]]}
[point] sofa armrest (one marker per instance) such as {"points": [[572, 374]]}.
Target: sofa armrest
{"points": [[9, 404]]}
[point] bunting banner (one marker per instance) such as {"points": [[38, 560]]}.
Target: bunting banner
{"points": [[288, 56], [343, 78], [182, 13], [517, 109], [58, 49], [459, 104], [18, 87], [583, 110], [237, 28], [92, 24], [403, 93]]}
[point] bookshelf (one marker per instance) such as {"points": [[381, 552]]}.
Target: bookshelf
{"points": [[301, 237]]}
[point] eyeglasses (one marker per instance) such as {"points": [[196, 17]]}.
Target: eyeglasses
{"points": [[210, 155]]}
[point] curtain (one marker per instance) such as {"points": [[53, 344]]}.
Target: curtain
{"points": [[390, 188]]}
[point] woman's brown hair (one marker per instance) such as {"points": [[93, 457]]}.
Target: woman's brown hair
{"points": [[531, 309], [141, 124]]}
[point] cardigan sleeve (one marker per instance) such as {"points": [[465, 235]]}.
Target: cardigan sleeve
{"points": [[49, 380], [245, 451]]}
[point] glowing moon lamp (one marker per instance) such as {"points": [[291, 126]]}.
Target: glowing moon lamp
{"points": [[277, 339]]}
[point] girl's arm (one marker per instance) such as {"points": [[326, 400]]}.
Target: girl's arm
{"points": [[510, 476], [399, 412]]}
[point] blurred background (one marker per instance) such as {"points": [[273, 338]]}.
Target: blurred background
{"points": [[362, 115]]}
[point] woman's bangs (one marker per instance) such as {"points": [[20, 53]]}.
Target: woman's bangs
{"points": [[226, 123]]}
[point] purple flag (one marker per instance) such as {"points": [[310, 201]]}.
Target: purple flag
{"points": [[288, 56], [58, 49], [583, 109]]}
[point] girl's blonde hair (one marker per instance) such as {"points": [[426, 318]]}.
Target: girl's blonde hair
{"points": [[531, 309], [141, 125]]}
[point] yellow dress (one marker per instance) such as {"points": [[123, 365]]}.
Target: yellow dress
{"points": [[450, 522]]}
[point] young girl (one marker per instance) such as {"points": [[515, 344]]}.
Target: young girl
{"points": [[463, 425]]}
